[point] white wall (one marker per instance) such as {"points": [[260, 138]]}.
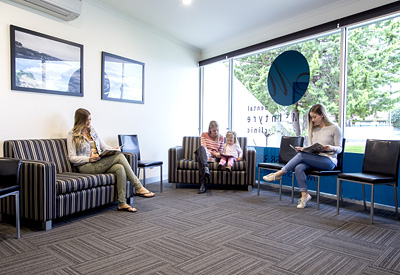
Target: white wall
{"points": [[171, 83]]}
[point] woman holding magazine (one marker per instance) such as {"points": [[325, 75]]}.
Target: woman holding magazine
{"points": [[84, 152], [320, 130]]}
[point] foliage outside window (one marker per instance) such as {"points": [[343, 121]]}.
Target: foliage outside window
{"points": [[373, 90], [323, 55], [373, 84]]}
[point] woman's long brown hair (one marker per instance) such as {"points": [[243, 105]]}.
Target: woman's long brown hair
{"points": [[81, 117]]}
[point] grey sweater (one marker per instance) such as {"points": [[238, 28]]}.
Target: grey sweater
{"points": [[329, 135]]}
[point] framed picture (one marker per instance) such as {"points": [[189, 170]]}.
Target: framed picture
{"points": [[122, 79], [45, 64]]}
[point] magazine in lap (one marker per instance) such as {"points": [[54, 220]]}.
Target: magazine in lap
{"points": [[225, 155], [109, 152], [314, 149]]}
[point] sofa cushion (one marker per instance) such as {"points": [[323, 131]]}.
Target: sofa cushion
{"points": [[53, 150], [72, 182], [187, 164]]}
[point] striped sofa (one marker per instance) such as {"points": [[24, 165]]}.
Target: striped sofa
{"points": [[51, 187], [183, 168]]}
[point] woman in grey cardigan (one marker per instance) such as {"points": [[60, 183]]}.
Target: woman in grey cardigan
{"points": [[320, 130], [84, 149]]}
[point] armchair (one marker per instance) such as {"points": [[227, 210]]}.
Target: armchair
{"points": [[183, 168]]}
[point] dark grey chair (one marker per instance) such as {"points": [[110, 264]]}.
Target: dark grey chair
{"points": [[316, 174], [131, 145], [380, 166], [9, 184], [286, 153]]}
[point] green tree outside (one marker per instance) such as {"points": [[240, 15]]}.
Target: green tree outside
{"points": [[373, 63]]}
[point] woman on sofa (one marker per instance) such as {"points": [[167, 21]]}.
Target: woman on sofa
{"points": [[84, 149], [209, 150]]}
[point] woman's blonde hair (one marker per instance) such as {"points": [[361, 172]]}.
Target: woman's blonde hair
{"points": [[318, 109], [81, 117], [233, 135], [212, 125]]}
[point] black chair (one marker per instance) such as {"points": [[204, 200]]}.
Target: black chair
{"points": [[131, 145], [286, 153], [336, 171], [380, 166], [9, 184]]}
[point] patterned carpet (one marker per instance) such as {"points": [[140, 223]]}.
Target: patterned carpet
{"points": [[220, 232]]}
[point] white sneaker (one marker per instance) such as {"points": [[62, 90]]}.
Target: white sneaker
{"points": [[272, 177], [303, 201]]}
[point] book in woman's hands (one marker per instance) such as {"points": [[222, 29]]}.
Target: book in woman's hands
{"points": [[314, 149]]}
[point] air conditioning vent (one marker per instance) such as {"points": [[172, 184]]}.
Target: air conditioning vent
{"points": [[65, 9]]}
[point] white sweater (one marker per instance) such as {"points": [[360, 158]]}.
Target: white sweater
{"points": [[329, 135]]}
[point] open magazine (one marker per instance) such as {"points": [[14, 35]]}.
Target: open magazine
{"points": [[314, 149], [109, 152]]}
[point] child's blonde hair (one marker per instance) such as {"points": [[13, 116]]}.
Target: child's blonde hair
{"points": [[233, 135]]}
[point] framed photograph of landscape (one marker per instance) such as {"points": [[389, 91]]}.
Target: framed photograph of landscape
{"points": [[45, 64], [122, 79]]}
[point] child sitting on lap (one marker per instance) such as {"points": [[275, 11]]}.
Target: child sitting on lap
{"points": [[231, 151]]}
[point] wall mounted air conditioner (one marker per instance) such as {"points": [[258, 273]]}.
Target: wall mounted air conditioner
{"points": [[65, 9]]}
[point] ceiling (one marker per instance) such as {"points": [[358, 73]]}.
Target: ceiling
{"points": [[207, 24]]}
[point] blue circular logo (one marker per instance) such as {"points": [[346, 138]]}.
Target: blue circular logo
{"points": [[288, 78]]}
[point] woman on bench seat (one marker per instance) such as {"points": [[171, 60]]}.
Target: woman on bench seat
{"points": [[84, 150]]}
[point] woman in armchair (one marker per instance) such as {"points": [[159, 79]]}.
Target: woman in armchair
{"points": [[209, 150]]}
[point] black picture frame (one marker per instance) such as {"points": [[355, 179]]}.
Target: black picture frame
{"points": [[45, 64], [122, 79]]}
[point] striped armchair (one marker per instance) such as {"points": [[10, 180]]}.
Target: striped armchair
{"points": [[51, 187], [183, 168]]}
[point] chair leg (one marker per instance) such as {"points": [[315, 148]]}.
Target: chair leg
{"points": [[292, 187], [318, 193], [338, 194], [365, 205], [372, 203], [17, 223], [258, 188], [341, 195], [395, 201], [47, 225], [144, 176], [161, 180]]}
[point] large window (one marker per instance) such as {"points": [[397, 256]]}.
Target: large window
{"points": [[216, 95], [263, 121], [372, 101], [372, 86]]}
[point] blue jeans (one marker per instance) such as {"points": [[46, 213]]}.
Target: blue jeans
{"points": [[304, 161]]}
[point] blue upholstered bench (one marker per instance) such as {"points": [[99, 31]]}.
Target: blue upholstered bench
{"points": [[51, 187]]}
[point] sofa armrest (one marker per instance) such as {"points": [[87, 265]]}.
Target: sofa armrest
{"points": [[251, 165], [37, 191], [133, 161], [174, 155]]}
